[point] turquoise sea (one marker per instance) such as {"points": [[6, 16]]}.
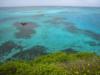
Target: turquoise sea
{"points": [[30, 31]]}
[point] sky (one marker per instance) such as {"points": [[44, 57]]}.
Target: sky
{"points": [[13, 3]]}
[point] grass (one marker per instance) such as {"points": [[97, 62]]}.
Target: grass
{"points": [[60, 63]]}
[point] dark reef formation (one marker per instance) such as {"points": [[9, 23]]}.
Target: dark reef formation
{"points": [[70, 50], [25, 29], [71, 27], [7, 47], [75, 30], [21, 25], [25, 33], [56, 20], [93, 43], [31, 53], [28, 54], [92, 34]]}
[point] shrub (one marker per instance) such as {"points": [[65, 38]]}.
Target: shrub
{"points": [[86, 55], [48, 69], [55, 64], [15, 68], [83, 68], [56, 58]]}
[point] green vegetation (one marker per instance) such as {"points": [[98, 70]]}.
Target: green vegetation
{"points": [[60, 63]]}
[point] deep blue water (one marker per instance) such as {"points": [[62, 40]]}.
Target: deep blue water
{"points": [[49, 28]]}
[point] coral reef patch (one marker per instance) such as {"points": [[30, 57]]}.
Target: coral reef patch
{"points": [[30, 53], [7, 48], [25, 29]]}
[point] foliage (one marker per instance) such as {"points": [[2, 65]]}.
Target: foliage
{"points": [[60, 63], [15, 68], [48, 69]]}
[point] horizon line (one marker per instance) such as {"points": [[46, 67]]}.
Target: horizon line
{"points": [[48, 6]]}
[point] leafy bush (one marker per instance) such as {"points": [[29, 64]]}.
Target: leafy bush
{"points": [[86, 55], [15, 68], [48, 69], [55, 58], [60, 63]]}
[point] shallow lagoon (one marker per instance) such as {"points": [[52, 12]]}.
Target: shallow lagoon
{"points": [[39, 29]]}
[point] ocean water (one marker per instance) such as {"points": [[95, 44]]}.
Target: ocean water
{"points": [[36, 30]]}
